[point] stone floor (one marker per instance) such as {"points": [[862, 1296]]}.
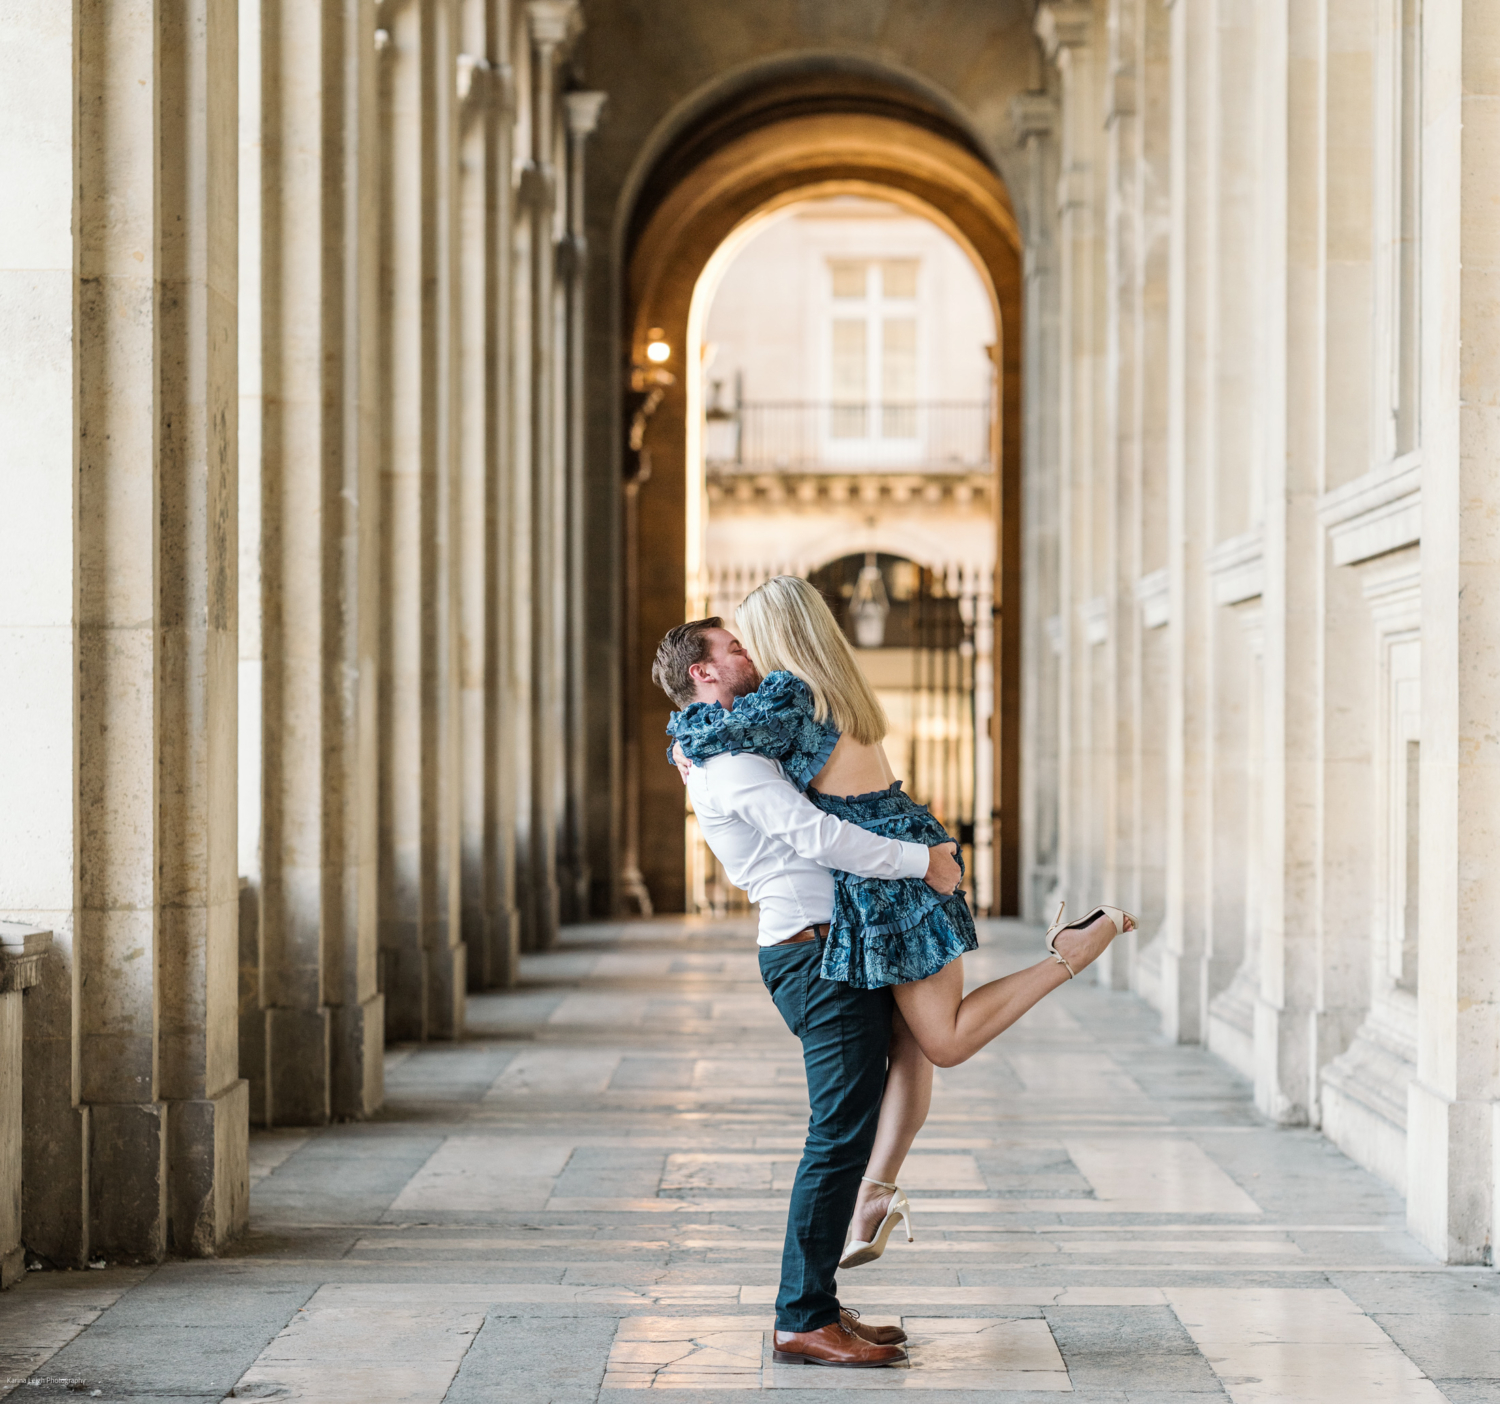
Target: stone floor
{"points": [[586, 1199]]}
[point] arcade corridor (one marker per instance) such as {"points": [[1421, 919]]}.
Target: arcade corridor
{"points": [[586, 1198]]}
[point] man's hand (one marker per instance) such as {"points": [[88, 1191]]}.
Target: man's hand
{"points": [[682, 763], [943, 872]]}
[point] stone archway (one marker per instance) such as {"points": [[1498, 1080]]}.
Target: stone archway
{"points": [[909, 159]]}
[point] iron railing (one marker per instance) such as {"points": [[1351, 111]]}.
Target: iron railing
{"points": [[801, 435]]}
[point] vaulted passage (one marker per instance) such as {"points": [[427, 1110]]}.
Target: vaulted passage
{"points": [[381, 379]]}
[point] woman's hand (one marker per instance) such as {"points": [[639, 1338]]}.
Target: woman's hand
{"points": [[682, 763], [943, 872]]}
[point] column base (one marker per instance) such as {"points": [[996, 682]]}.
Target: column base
{"points": [[1364, 1094], [127, 1186], [447, 988], [1181, 996], [255, 1043], [576, 885], [298, 1071], [254, 1037], [54, 1158], [541, 930], [505, 949], [209, 1164], [1282, 1059], [1231, 1023], [403, 982], [12, 1267], [492, 950], [1450, 1174], [424, 992], [358, 1045]]}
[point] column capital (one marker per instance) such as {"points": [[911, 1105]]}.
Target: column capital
{"points": [[583, 112], [551, 22], [1063, 24], [1032, 115]]}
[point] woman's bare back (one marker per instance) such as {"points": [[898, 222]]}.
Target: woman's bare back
{"points": [[854, 768]]}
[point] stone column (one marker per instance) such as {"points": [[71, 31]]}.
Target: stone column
{"points": [[421, 951], [252, 1000], [549, 24], [324, 1021], [1121, 469], [1064, 31], [1290, 411], [1452, 1122], [1033, 117], [1233, 527], [157, 686], [1248, 74], [1189, 498], [582, 110], [39, 410], [1350, 697], [1146, 802], [485, 87]]}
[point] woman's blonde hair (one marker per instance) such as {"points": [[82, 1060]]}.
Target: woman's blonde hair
{"points": [[786, 623]]}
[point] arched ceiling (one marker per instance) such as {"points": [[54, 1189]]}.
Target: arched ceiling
{"points": [[832, 85]]}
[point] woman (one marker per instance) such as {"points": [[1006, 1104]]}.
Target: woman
{"points": [[816, 713]]}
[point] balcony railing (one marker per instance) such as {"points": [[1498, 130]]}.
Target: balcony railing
{"points": [[927, 436]]}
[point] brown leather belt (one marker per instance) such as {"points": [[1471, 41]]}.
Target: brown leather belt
{"points": [[810, 933]]}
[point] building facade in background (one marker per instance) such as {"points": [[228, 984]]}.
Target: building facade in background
{"points": [[848, 434]]}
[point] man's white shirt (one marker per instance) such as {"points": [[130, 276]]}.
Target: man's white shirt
{"points": [[780, 849]]}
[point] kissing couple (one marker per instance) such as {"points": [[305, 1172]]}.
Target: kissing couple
{"points": [[862, 934]]}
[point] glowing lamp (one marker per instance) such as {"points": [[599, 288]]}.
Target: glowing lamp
{"points": [[658, 351]]}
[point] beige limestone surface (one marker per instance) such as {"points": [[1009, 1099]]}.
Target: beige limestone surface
{"points": [[616, 1226]]}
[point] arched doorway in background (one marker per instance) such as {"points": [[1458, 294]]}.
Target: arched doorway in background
{"points": [[733, 168]]}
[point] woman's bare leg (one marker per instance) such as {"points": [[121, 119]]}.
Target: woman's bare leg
{"points": [[903, 1109], [951, 1028]]}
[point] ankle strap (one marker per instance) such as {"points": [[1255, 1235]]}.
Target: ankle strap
{"points": [[881, 1183]]}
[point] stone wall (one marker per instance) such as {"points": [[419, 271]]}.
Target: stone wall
{"points": [[1261, 476]]}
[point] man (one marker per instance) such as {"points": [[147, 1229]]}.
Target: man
{"points": [[778, 847]]}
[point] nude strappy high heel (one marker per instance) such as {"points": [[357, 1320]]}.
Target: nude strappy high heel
{"points": [[856, 1251], [1122, 919]]}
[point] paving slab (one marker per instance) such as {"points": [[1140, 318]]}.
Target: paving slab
{"points": [[585, 1200]]}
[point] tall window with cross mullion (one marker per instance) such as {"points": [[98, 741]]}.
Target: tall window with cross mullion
{"points": [[873, 362]]}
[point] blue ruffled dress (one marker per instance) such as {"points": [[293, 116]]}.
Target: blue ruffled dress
{"points": [[884, 931]]}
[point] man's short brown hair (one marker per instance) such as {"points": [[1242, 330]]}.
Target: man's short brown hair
{"points": [[683, 646]]}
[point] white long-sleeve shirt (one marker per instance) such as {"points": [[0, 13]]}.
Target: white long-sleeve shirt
{"points": [[778, 847]]}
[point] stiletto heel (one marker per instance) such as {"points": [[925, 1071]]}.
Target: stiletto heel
{"points": [[1122, 920], [857, 1251]]}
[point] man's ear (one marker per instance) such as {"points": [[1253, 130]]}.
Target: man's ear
{"points": [[698, 673]]}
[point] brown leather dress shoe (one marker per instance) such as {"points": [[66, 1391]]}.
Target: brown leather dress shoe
{"points": [[833, 1344], [879, 1335]]}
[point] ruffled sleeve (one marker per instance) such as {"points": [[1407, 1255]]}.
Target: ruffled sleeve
{"points": [[776, 721]]}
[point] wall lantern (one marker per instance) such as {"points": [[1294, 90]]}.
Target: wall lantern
{"points": [[869, 605], [657, 350]]}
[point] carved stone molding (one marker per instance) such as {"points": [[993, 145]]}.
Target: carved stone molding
{"points": [[1379, 511], [583, 111], [552, 22], [23, 949], [1032, 115], [1095, 616], [1237, 568], [739, 491], [1154, 595], [1063, 25]]}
